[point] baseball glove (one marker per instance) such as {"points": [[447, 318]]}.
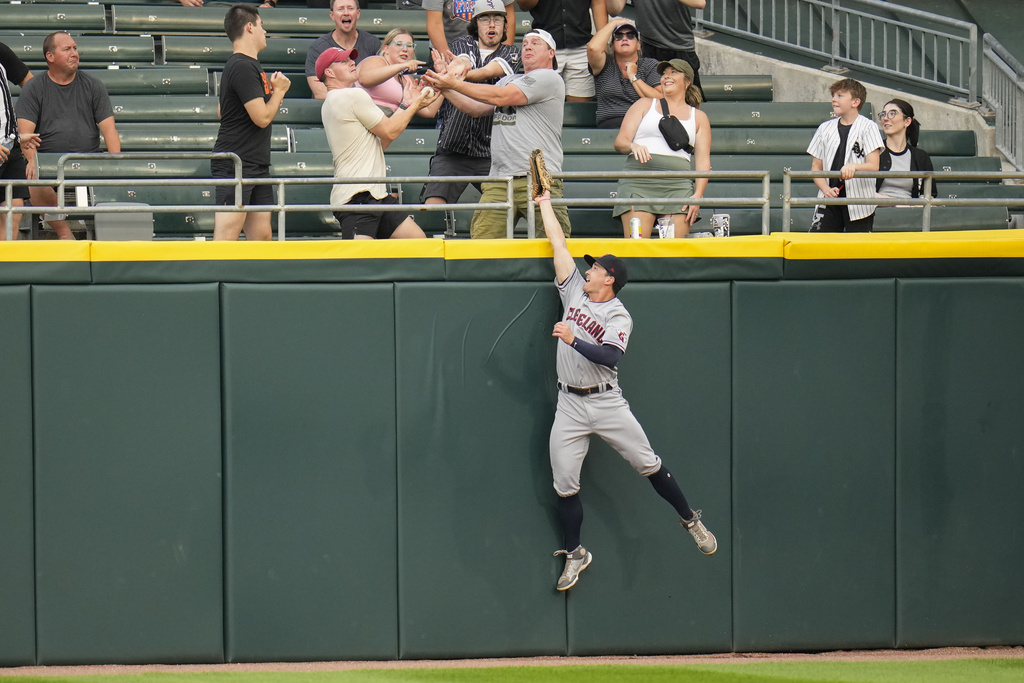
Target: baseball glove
{"points": [[539, 173]]}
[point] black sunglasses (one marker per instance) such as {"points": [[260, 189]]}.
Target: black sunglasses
{"points": [[625, 34]]}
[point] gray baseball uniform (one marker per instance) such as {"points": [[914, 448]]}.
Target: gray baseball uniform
{"points": [[604, 412]]}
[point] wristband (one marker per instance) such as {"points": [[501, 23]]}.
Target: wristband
{"points": [[403, 105]]}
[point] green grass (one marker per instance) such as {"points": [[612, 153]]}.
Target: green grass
{"points": [[947, 671]]}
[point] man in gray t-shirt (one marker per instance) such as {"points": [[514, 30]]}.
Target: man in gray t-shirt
{"points": [[69, 110], [527, 112], [345, 36]]}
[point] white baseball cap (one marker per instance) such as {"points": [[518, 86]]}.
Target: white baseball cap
{"points": [[543, 35]]}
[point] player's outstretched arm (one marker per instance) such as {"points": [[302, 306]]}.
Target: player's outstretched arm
{"points": [[564, 264]]}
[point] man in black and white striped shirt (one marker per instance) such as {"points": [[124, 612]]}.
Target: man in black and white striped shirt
{"points": [[464, 142], [848, 143]]}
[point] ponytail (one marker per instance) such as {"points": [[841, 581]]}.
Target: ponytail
{"points": [[693, 97], [913, 132]]}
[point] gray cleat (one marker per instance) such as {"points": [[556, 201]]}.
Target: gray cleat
{"points": [[705, 539], [575, 562]]}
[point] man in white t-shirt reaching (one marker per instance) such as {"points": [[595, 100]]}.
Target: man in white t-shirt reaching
{"points": [[358, 132]]}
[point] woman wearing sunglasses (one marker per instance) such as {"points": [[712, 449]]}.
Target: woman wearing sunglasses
{"points": [[684, 145], [622, 75], [389, 76], [901, 152]]}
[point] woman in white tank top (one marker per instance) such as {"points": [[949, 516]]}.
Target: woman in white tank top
{"points": [[641, 138]]}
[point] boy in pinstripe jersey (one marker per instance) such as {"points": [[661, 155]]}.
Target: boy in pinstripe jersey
{"points": [[850, 143]]}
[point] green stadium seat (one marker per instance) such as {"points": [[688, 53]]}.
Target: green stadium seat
{"points": [[214, 50], [53, 17], [155, 80], [579, 115], [284, 21], [168, 19], [738, 88], [300, 112], [104, 167], [92, 50], [770, 114], [943, 218], [180, 225], [162, 108], [175, 137]]}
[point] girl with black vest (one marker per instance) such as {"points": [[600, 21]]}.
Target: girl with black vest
{"points": [[901, 152]]}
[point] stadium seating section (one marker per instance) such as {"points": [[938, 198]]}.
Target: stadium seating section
{"points": [[161, 64]]}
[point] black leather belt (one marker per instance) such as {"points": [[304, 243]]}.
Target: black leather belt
{"points": [[585, 391]]}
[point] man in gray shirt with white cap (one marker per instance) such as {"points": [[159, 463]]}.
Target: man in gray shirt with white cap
{"points": [[527, 111]]}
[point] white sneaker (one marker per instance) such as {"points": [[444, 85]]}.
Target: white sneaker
{"points": [[575, 562], [706, 540]]}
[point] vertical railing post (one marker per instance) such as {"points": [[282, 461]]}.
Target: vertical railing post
{"points": [[766, 208], [9, 211], [787, 195], [280, 212], [926, 214], [975, 68], [833, 58], [510, 217]]}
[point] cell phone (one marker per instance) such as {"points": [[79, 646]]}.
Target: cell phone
{"points": [[422, 69]]}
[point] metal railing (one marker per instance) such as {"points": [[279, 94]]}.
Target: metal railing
{"points": [[925, 200], [1003, 93], [282, 208], [763, 201], [935, 51]]}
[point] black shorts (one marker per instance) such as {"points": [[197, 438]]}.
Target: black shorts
{"points": [[379, 225], [836, 218], [14, 169], [252, 195], [450, 163]]}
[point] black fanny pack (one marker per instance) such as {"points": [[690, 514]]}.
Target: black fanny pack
{"points": [[673, 131]]}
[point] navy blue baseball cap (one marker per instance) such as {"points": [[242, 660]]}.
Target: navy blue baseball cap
{"points": [[615, 266]]}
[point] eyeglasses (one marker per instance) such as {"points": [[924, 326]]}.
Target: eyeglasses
{"points": [[890, 114], [627, 35], [491, 19], [402, 44]]}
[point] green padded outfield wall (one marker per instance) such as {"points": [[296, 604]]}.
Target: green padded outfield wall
{"points": [[308, 463], [476, 508], [960, 541], [309, 449], [813, 463], [128, 473], [17, 594]]}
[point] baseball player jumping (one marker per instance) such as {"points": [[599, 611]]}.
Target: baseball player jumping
{"points": [[595, 330]]}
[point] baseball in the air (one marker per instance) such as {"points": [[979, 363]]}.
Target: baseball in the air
{"points": [[428, 92]]}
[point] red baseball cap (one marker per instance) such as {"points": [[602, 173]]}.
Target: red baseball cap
{"points": [[330, 56]]}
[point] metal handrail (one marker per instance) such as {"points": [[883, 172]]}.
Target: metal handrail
{"points": [[282, 208], [829, 24], [1003, 93], [925, 200]]}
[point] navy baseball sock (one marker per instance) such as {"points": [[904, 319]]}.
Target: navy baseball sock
{"points": [[570, 515], [665, 484]]}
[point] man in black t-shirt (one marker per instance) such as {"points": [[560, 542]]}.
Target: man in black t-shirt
{"points": [[248, 104]]}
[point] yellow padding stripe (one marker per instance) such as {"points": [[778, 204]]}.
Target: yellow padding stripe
{"points": [[755, 246], [266, 251], [43, 251], [953, 244]]}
